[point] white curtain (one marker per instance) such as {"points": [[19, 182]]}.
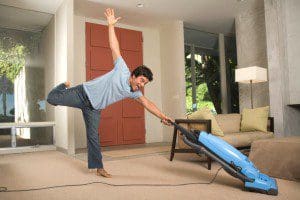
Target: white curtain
{"points": [[21, 104]]}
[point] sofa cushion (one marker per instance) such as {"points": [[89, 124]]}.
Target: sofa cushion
{"points": [[229, 123], [205, 113], [277, 157], [255, 119], [243, 139]]}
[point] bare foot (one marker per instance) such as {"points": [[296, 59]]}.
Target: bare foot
{"points": [[67, 84], [102, 172]]}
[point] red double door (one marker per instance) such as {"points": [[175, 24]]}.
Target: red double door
{"points": [[122, 122]]}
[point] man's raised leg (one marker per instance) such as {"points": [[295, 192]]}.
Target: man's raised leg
{"points": [[63, 96]]}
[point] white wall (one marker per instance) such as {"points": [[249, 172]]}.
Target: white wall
{"points": [[293, 44], [70, 72], [251, 51], [282, 35], [64, 128], [151, 57], [153, 91], [79, 77], [172, 72]]}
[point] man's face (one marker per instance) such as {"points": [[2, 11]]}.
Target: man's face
{"points": [[137, 83]]}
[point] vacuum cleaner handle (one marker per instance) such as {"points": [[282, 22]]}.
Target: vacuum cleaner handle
{"points": [[189, 135]]}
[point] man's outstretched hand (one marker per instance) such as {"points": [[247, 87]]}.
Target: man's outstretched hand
{"points": [[110, 16], [167, 121]]}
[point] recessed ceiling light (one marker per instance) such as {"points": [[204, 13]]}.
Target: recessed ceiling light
{"points": [[140, 5]]}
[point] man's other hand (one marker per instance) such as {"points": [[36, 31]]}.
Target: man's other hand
{"points": [[110, 16]]}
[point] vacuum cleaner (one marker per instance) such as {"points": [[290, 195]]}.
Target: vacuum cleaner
{"points": [[233, 161]]}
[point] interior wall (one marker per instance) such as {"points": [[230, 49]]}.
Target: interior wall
{"points": [[292, 23], [153, 90], [251, 50], [268, 33], [172, 73], [79, 77], [282, 31], [151, 58], [70, 73], [63, 72]]}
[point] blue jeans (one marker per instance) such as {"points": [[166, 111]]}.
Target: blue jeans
{"points": [[77, 98]]}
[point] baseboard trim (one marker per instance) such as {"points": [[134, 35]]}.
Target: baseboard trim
{"points": [[27, 149], [62, 150]]}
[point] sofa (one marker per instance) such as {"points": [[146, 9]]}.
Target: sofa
{"points": [[230, 124], [277, 157]]}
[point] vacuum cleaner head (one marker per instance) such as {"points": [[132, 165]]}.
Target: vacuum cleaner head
{"points": [[263, 184]]}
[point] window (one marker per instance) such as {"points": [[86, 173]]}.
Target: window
{"points": [[202, 71], [22, 75]]}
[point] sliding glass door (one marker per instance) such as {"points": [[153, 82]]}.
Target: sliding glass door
{"points": [[202, 72]]}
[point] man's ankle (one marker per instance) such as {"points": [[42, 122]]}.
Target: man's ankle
{"points": [[103, 172]]}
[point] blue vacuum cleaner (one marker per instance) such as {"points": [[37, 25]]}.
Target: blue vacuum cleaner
{"points": [[233, 161]]}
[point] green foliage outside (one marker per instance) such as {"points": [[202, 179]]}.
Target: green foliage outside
{"points": [[207, 81], [13, 51], [203, 99], [12, 61]]}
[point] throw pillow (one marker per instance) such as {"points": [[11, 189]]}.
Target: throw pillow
{"points": [[205, 113], [255, 119]]}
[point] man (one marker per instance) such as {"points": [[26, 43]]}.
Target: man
{"points": [[93, 96]]}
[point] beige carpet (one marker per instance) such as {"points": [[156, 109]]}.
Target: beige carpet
{"points": [[136, 151], [41, 169]]}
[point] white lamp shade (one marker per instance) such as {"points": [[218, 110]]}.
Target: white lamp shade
{"points": [[256, 74]]}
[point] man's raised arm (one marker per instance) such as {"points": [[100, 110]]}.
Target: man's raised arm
{"points": [[113, 41]]}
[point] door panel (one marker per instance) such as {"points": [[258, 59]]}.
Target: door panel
{"points": [[101, 58], [102, 31], [132, 108], [131, 40], [122, 122], [113, 110], [133, 59], [133, 127], [99, 35], [108, 131]]}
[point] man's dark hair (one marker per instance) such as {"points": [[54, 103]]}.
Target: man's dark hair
{"points": [[143, 71]]}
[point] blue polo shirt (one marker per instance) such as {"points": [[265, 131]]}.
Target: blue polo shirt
{"points": [[111, 87]]}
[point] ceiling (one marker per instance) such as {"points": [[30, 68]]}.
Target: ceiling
{"points": [[21, 19], [205, 15], [27, 15], [47, 6]]}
